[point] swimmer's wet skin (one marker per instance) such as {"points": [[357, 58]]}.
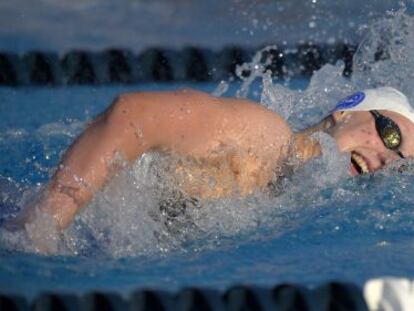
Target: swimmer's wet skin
{"points": [[238, 144]]}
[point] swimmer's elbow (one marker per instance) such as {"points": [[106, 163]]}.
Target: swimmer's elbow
{"points": [[125, 111], [125, 127]]}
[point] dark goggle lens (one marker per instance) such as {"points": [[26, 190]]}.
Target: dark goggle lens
{"points": [[388, 130], [391, 137]]}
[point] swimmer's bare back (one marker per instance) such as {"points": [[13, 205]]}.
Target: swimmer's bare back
{"points": [[239, 142]]}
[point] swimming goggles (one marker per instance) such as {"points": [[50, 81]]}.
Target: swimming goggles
{"points": [[388, 131]]}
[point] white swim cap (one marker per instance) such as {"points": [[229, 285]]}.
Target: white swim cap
{"points": [[382, 98]]}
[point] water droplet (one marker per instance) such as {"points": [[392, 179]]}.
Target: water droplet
{"points": [[255, 23], [383, 243]]}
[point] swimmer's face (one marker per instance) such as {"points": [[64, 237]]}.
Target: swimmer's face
{"points": [[355, 132]]}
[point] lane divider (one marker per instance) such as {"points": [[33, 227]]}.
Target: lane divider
{"points": [[330, 296], [116, 66]]}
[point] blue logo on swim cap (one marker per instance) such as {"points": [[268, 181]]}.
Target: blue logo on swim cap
{"points": [[351, 101]]}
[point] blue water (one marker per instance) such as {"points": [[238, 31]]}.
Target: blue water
{"points": [[323, 225], [341, 229]]}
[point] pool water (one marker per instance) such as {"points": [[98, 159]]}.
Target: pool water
{"points": [[345, 229], [322, 225]]}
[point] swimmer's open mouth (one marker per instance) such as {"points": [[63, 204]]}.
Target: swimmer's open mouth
{"points": [[359, 163]]}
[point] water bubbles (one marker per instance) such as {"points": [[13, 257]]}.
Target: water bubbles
{"points": [[221, 88], [249, 72], [255, 22], [331, 40], [385, 57], [383, 243], [312, 24]]}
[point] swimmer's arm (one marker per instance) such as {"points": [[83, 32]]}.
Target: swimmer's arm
{"points": [[187, 122], [90, 160]]}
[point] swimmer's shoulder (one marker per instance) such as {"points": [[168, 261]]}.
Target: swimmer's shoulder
{"points": [[213, 107], [188, 96]]}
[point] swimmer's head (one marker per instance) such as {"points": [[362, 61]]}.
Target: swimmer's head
{"points": [[376, 126], [382, 98]]}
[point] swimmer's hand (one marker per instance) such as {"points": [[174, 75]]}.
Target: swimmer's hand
{"points": [[39, 228], [45, 221]]}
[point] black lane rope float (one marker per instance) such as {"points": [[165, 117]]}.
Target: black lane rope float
{"points": [[329, 296], [116, 66]]}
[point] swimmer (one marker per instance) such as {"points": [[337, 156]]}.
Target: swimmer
{"points": [[240, 144]]}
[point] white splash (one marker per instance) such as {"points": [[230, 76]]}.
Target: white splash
{"points": [[127, 218]]}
